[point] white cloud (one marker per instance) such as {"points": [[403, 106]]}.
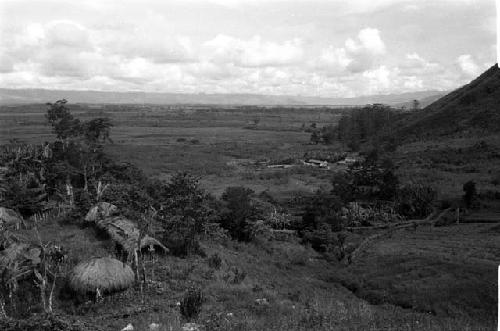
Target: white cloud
{"points": [[253, 52], [468, 65], [415, 65], [356, 56], [334, 60], [159, 48], [6, 63], [369, 40], [365, 51], [379, 80], [63, 34], [277, 47]]}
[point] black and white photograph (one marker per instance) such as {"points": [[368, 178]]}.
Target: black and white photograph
{"points": [[249, 165]]}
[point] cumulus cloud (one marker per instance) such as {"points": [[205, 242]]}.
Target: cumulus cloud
{"points": [[64, 34], [368, 40], [357, 55], [334, 60], [415, 65], [379, 80], [6, 63], [365, 50], [284, 48], [468, 65], [157, 48], [254, 52]]}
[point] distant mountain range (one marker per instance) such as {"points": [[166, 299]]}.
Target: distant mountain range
{"points": [[471, 109], [26, 96], [423, 102]]}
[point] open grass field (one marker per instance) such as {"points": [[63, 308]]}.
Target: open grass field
{"points": [[446, 271], [221, 145], [448, 163]]}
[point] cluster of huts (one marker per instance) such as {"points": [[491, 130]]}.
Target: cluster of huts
{"points": [[97, 275]]}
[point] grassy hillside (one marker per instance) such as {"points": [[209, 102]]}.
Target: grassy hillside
{"points": [[399, 284], [471, 109]]}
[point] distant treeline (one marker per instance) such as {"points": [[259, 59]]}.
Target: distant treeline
{"points": [[370, 124]]}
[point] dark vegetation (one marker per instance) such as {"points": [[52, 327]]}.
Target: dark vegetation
{"points": [[190, 304], [370, 124]]}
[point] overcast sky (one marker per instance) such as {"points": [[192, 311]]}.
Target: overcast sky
{"points": [[303, 47]]}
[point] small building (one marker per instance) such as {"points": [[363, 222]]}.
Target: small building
{"points": [[351, 159], [317, 163]]}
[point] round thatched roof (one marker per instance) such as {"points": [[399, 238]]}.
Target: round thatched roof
{"points": [[106, 274]]}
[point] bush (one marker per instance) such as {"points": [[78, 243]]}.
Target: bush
{"points": [[240, 213], [235, 275], [415, 200], [322, 239], [215, 261], [470, 197], [184, 211], [322, 208], [17, 196], [181, 237], [191, 303], [131, 199]]}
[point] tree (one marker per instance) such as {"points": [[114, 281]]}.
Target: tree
{"points": [[415, 200], [82, 141], [239, 213], [315, 138], [415, 105], [95, 133], [64, 125], [184, 210]]}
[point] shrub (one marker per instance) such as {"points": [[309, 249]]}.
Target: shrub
{"points": [[191, 303], [320, 209], [181, 237], [184, 211], [131, 199], [470, 197], [215, 261], [322, 239], [235, 275], [240, 213], [18, 196], [415, 200]]}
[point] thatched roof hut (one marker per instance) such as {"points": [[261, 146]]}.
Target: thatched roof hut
{"points": [[124, 232], [101, 210], [121, 230], [106, 274]]}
